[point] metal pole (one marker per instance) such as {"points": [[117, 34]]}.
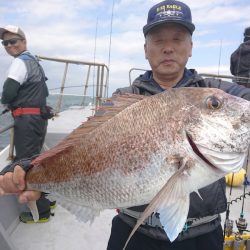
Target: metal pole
{"points": [[59, 103], [86, 86]]}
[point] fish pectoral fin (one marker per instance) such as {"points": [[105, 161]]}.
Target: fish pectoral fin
{"points": [[33, 209], [172, 203], [173, 217]]}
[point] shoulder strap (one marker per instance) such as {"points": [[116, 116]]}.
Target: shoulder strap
{"points": [[26, 56]]}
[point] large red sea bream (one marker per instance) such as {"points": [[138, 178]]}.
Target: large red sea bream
{"points": [[140, 150]]}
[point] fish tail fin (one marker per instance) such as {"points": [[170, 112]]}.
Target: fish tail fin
{"points": [[33, 209], [172, 203]]}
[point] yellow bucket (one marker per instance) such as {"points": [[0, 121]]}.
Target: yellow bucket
{"points": [[237, 179]]}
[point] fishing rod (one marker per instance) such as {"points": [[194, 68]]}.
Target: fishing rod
{"points": [[11, 125], [4, 111], [241, 223], [228, 225]]}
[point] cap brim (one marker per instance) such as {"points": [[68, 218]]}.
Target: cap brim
{"points": [[189, 26], [2, 31]]}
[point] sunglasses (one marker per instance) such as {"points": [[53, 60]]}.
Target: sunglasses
{"points": [[10, 41]]}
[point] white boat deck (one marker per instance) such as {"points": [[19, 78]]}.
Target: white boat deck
{"points": [[69, 119], [65, 123], [64, 232]]}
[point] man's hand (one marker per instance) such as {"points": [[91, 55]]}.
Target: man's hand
{"points": [[14, 183]]}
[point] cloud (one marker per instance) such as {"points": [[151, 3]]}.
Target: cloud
{"points": [[223, 14], [213, 44], [214, 69], [81, 29]]}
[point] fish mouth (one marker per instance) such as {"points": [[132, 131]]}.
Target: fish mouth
{"points": [[220, 161], [197, 151]]}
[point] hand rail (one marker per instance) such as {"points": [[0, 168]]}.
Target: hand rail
{"points": [[239, 79], [101, 79]]}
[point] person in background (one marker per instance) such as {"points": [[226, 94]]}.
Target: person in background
{"points": [[240, 61], [168, 46], [24, 93]]}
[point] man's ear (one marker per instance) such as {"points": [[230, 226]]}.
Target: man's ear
{"points": [[145, 51], [191, 49]]}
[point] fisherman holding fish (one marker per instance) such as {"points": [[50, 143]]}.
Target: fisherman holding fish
{"points": [[168, 142], [168, 45]]}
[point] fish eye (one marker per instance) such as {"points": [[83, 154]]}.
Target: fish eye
{"points": [[213, 102]]}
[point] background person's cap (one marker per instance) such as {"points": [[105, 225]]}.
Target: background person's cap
{"points": [[247, 32], [11, 29], [169, 11]]}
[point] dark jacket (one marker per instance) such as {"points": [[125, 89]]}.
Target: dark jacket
{"points": [[240, 61], [214, 199]]}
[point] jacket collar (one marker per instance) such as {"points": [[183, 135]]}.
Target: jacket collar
{"points": [[146, 81]]}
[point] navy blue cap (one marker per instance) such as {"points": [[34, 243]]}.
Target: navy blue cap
{"points": [[169, 11]]}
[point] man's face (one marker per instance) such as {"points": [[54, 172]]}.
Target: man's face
{"points": [[16, 44], [167, 49]]}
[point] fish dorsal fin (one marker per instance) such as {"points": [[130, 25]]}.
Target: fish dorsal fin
{"points": [[109, 108], [172, 203]]}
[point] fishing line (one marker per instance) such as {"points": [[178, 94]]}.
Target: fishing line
{"points": [[94, 70], [110, 40], [246, 182], [219, 57], [239, 198]]}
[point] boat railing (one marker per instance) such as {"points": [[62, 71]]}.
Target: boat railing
{"points": [[99, 86], [134, 69], [240, 80]]}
